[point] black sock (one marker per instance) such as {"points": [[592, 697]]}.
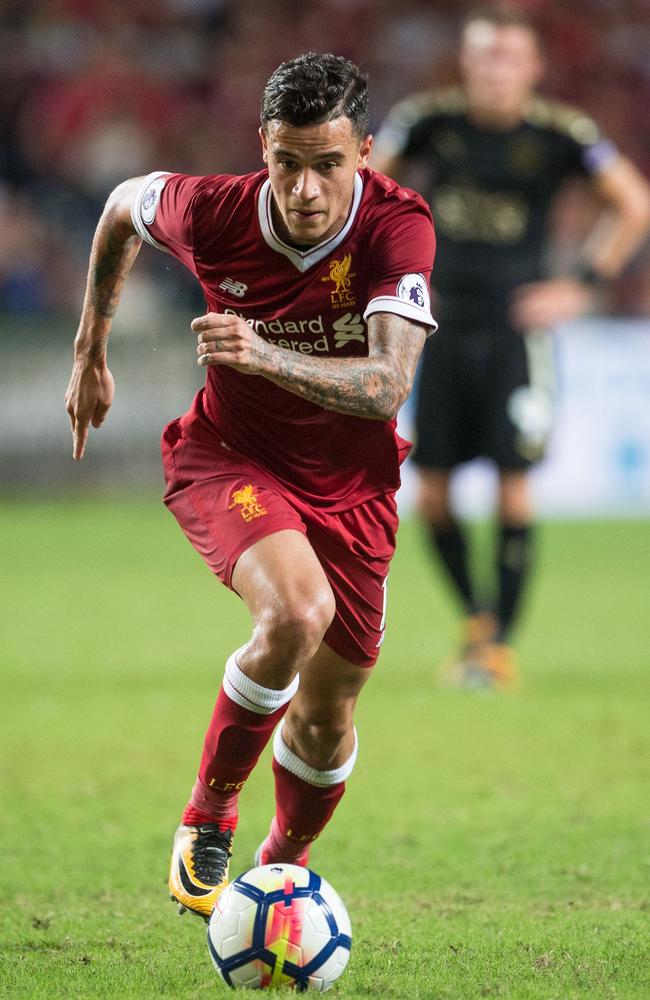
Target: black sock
{"points": [[449, 542], [514, 558]]}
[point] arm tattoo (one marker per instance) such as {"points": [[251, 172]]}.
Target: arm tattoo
{"points": [[97, 350], [115, 247], [374, 387], [109, 270]]}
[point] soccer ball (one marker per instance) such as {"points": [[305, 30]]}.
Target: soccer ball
{"points": [[280, 925]]}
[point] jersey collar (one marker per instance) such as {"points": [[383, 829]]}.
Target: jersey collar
{"points": [[303, 259]]}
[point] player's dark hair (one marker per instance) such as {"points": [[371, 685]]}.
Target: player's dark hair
{"points": [[315, 88], [503, 16]]}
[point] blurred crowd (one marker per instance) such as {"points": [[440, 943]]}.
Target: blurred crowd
{"points": [[94, 91]]}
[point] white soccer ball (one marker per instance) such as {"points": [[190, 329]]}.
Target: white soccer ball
{"points": [[280, 926]]}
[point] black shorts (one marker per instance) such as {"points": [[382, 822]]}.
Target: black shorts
{"points": [[484, 393]]}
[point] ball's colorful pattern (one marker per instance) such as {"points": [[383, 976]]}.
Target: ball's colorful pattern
{"points": [[280, 925]]}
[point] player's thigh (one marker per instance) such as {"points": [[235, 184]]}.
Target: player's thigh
{"points": [[281, 576], [355, 548], [434, 495], [223, 502]]}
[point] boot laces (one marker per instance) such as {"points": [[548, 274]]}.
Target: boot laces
{"points": [[211, 853]]}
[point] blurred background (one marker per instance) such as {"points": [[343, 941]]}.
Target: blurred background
{"points": [[94, 91]]}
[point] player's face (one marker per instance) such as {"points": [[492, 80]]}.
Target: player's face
{"points": [[312, 170], [500, 64]]}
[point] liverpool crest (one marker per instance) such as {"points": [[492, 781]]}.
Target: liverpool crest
{"points": [[341, 296]]}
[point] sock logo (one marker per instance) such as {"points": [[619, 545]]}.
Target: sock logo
{"points": [[228, 786], [305, 838]]}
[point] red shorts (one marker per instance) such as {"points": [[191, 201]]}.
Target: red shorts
{"points": [[225, 503]]}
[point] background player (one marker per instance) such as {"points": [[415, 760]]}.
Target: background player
{"points": [[283, 472], [494, 156]]}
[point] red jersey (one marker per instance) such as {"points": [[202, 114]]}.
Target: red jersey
{"points": [[315, 301]]}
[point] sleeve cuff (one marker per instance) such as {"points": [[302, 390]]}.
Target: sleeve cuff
{"points": [[393, 304], [137, 210]]}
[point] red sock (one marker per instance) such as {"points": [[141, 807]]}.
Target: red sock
{"points": [[233, 743], [302, 811], [305, 800], [244, 717]]}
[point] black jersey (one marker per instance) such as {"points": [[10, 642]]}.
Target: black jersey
{"points": [[491, 191]]}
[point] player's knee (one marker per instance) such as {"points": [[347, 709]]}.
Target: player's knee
{"points": [[297, 624], [306, 618], [515, 502], [434, 507]]}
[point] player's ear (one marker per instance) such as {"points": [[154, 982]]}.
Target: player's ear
{"points": [[265, 148], [364, 151]]}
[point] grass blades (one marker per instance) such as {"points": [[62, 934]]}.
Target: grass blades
{"points": [[487, 845]]}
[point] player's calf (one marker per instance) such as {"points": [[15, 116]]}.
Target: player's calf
{"points": [[305, 800]]}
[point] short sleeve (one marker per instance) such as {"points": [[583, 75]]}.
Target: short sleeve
{"points": [[163, 211], [588, 149], [583, 149], [401, 261], [405, 131], [598, 155]]}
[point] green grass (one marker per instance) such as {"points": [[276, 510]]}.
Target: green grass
{"points": [[487, 846]]}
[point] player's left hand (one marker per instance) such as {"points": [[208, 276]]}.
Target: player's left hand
{"points": [[548, 303], [228, 340], [88, 399]]}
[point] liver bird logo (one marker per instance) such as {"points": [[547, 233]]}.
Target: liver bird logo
{"points": [[339, 271], [246, 498]]}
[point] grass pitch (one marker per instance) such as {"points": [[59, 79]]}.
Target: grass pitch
{"points": [[487, 845]]}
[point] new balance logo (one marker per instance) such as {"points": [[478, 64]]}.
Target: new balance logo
{"points": [[237, 288], [348, 328]]}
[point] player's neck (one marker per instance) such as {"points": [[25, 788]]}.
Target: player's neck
{"points": [[282, 232], [496, 120]]}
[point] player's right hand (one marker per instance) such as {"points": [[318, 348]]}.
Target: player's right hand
{"points": [[88, 399], [224, 339]]}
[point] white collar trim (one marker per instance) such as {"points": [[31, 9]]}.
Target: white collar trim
{"points": [[303, 259]]}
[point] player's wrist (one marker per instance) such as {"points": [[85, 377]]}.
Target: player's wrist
{"points": [[266, 356], [90, 352]]}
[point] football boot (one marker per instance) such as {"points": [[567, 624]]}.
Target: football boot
{"points": [[490, 666], [464, 669], [199, 867], [500, 663]]}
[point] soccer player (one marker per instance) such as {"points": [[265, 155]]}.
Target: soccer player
{"points": [[493, 155], [282, 473]]}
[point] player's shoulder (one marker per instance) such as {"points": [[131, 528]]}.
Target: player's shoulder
{"points": [[384, 198], [226, 187], [565, 120], [216, 202], [427, 105]]}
